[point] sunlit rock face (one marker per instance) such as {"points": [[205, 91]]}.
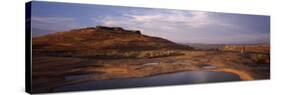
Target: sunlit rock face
{"points": [[104, 42]]}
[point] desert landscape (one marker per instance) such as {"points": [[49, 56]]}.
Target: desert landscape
{"points": [[106, 53], [78, 47]]}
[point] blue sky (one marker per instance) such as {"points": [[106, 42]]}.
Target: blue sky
{"points": [[180, 26]]}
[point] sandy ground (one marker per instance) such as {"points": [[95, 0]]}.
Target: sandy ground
{"points": [[49, 72]]}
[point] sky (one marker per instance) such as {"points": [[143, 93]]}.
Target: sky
{"points": [[181, 26]]}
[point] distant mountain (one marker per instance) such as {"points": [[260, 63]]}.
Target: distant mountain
{"points": [[104, 42], [204, 46]]}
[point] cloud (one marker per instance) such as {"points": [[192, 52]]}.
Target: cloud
{"points": [[173, 20], [53, 23], [163, 22], [183, 26]]}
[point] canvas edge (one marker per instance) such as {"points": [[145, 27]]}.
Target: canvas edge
{"points": [[28, 81]]}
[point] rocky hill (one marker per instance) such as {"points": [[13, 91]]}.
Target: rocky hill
{"points": [[104, 42]]}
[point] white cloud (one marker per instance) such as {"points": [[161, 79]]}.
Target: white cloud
{"points": [[195, 20], [198, 20], [53, 23], [168, 19], [180, 26]]}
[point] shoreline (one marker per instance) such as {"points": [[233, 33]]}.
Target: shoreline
{"points": [[227, 62]]}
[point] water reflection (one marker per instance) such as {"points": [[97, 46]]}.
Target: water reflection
{"points": [[190, 77]]}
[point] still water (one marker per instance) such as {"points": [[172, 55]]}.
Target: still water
{"points": [[190, 77]]}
